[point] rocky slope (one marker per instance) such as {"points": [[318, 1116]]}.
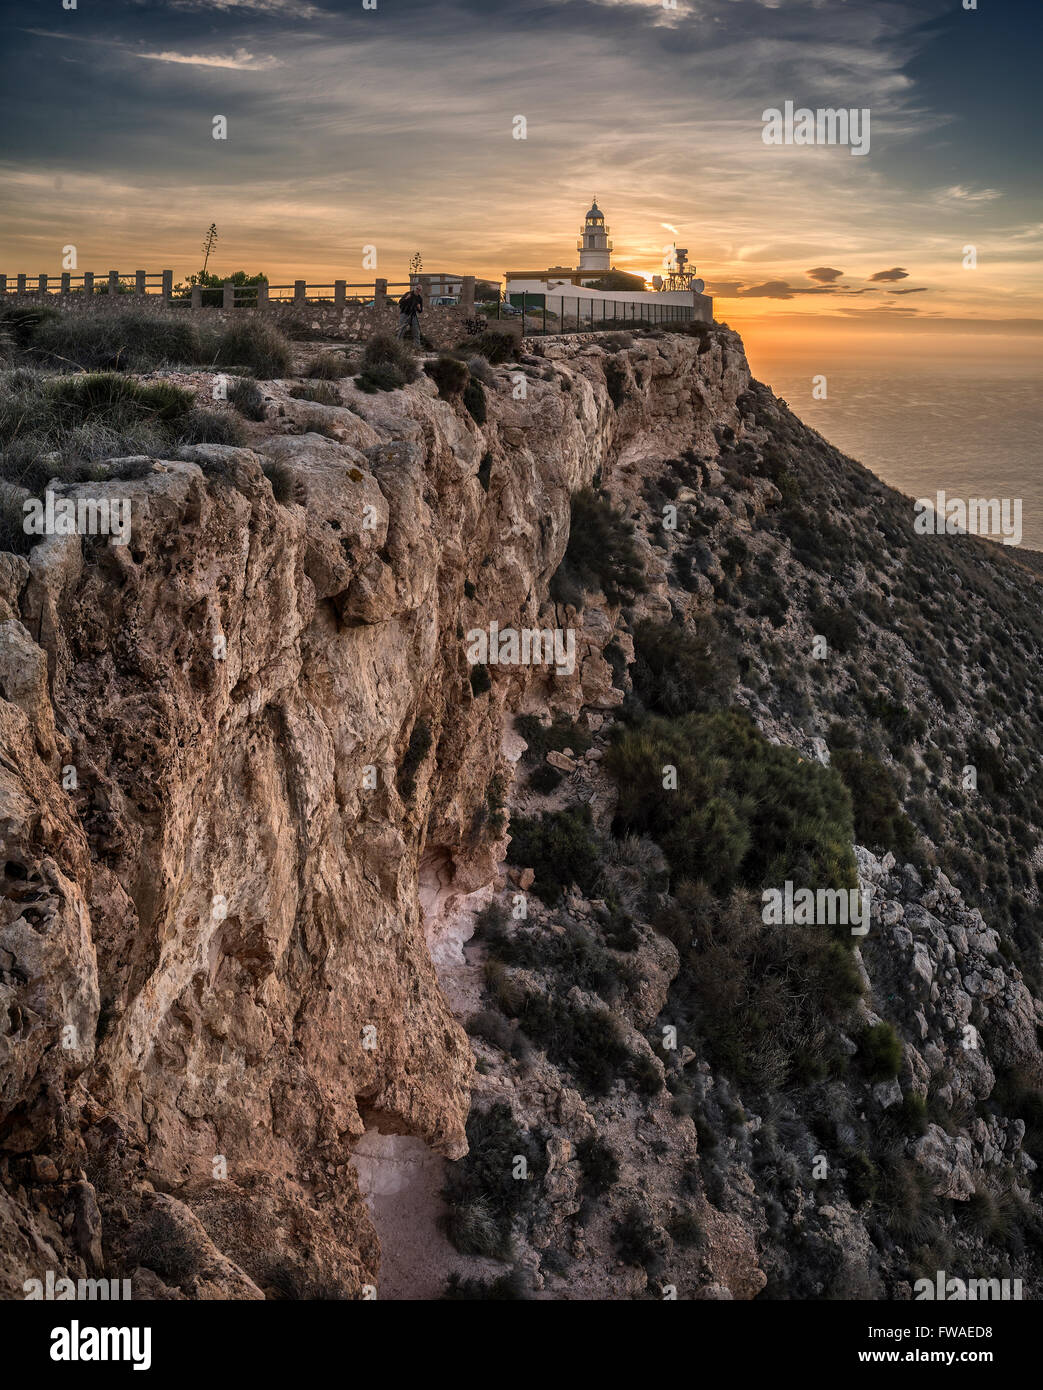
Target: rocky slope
{"points": [[253, 797]]}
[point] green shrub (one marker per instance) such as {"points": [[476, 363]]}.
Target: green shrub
{"points": [[879, 821], [541, 738], [638, 1242], [880, 1052], [322, 393], [256, 346], [61, 427], [645, 1075], [762, 998], [381, 376], [492, 1028], [385, 350], [616, 380], [863, 1178], [585, 1042], [20, 324], [600, 554], [480, 370], [474, 401], [599, 1165], [839, 626], [744, 812], [13, 536], [137, 340], [129, 341], [685, 1230], [560, 847], [482, 1195], [544, 779], [678, 670], [247, 397], [202, 426], [329, 366], [913, 1115], [449, 374], [569, 956], [283, 481], [496, 347]]}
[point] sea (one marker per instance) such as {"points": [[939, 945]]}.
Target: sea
{"points": [[967, 429]]}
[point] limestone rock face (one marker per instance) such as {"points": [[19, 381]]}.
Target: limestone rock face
{"points": [[227, 749]]}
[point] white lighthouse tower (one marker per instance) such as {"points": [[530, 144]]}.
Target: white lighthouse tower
{"points": [[593, 245]]}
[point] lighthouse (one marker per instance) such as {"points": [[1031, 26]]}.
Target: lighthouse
{"points": [[594, 245]]}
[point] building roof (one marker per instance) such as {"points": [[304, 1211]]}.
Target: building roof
{"points": [[595, 211]]}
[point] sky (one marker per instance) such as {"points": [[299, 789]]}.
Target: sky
{"points": [[394, 127]]}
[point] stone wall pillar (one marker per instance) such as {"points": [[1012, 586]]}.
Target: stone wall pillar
{"points": [[467, 293], [168, 285], [88, 282], [227, 295]]}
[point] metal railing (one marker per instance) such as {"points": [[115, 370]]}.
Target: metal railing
{"points": [[542, 313]]}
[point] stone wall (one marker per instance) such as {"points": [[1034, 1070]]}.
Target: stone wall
{"points": [[444, 326]]}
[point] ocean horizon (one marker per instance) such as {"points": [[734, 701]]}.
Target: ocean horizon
{"points": [[969, 430]]}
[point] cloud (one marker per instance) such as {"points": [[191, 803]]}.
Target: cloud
{"points": [[292, 9], [769, 289], [896, 273], [920, 289], [959, 193], [241, 60], [824, 274]]}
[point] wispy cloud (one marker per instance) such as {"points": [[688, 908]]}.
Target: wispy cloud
{"points": [[959, 193], [291, 9], [241, 60]]}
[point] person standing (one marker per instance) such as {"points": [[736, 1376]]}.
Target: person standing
{"points": [[410, 307]]}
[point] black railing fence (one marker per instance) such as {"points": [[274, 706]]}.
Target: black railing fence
{"points": [[570, 313]]}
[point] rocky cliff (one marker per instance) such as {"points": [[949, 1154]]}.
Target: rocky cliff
{"points": [[254, 795]]}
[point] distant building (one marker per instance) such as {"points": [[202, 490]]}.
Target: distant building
{"points": [[440, 288], [595, 261]]}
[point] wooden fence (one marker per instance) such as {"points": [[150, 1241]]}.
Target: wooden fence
{"points": [[159, 285]]}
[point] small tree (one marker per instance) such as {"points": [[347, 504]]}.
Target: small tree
{"points": [[416, 262]]}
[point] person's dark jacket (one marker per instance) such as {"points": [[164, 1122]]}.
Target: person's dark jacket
{"points": [[411, 303]]}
